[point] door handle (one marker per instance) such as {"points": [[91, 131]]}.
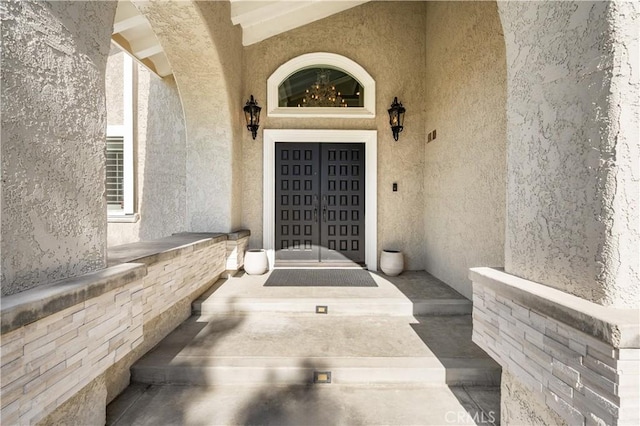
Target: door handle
{"points": [[324, 208], [315, 208]]}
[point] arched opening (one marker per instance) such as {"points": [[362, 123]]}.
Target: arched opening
{"points": [[206, 71], [146, 153], [188, 144]]}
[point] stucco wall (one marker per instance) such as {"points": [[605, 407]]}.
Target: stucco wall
{"points": [[207, 71], [53, 140], [620, 184], [160, 158], [572, 218], [368, 35], [465, 166], [228, 41], [114, 85]]}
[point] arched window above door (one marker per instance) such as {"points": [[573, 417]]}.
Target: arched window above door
{"points": [[321, 85]]}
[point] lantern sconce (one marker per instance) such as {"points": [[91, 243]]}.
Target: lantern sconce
{"points": [[396, 117], [252, 116]]}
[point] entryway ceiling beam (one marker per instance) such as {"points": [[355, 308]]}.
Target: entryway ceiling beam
{"points": [[263, 19], [128, 23], [132, 32], [148, 46]]}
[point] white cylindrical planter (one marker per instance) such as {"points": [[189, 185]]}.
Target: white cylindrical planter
{"points": [[391, 262], [255, 262]]}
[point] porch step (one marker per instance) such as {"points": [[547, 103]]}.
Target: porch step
{"points": [[336, 306], [398, 353], [412, 293], [305, 405], [249, 349]]}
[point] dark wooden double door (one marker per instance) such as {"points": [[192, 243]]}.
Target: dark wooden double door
{"points": [[320, 190]]}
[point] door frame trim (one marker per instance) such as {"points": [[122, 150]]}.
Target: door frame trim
{"points": [[368, 137]]}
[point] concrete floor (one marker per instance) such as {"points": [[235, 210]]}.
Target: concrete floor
{"points": [[249, 353]]}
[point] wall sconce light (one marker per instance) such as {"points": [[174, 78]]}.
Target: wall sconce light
{"points": [[396, 118], [252, 116]]}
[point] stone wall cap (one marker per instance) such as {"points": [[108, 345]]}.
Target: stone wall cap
{"points": [[32, 305], [241, 233], [618, 327], [161, 249]]}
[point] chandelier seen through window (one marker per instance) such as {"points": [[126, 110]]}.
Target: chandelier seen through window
{"points": [[320, 87]]}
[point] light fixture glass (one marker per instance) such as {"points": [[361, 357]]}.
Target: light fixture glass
{"points": [[396, 118], [252, 116]]}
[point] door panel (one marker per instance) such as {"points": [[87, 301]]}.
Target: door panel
{"points": [[342, 197], [297, 201], [319, 202]]}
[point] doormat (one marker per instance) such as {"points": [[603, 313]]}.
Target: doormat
{"points": [[320, 278]]}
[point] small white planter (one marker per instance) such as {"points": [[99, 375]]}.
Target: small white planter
{"points": [[255, 262], [391, 262]]}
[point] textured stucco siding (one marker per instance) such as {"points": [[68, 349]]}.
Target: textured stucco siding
{"points": [[572, 191], [465, 166], [114, 85], [621, 171], [160, 159], [53, 140], [369, 35], [205, 52], [228, 41]]}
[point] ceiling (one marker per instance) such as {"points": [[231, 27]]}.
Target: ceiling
{"points": [[259, 19]]}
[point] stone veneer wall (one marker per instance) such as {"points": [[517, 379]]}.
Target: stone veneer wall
{"points": [[177, 277], [47, 361], [236, 247], [564, 359], [79, 337]]}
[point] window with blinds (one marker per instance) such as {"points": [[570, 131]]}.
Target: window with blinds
{"points": [[115, 172]]}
